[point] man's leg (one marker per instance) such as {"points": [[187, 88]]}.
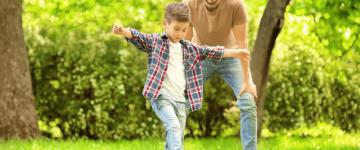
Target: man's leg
{"points": [[209, 67], [166, 112], [248, 121], [230, 70]]}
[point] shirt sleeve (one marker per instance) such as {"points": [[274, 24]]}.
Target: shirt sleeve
{"points": [[142, 41], [239, 13], [209, 52]]}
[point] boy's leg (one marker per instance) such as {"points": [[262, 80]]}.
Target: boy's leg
{"points": [[230, 70], [183, 110], [166, 112]]}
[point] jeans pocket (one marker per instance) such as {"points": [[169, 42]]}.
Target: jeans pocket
{"points": [[154, 105]]}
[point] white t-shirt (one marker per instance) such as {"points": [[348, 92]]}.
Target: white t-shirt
{"points": [[174, 82]]}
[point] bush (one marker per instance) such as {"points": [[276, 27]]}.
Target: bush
{"points": [[307, 84], [86, 79]]}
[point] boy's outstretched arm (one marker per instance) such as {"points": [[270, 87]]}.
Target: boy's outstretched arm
{"points": [[218, 52], [120, 30], [244, 56], [142, 41]]}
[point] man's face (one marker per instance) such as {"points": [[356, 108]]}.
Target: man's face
{"points": [[176, 30]]}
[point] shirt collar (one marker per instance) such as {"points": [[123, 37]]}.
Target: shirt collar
{"points": [[164, 36]]}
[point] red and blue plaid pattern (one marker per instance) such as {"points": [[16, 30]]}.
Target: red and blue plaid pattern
{"points": [[157, 48]]}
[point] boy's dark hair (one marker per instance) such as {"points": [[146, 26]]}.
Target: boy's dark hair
{"points": [[178, 12]]}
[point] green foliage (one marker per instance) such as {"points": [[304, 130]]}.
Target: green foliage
{"points": [[320, 130], [219, 115], [337, 23], [86, 79], [307, 84]]}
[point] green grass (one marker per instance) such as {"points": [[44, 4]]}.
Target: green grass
{"points": [[343, 142]]}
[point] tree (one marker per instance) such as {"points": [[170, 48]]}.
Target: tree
{"points": [[270, 26], [17, 108], [336, 23]]}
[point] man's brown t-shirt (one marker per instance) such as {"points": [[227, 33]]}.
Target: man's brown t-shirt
{"points": [[213, 22]]}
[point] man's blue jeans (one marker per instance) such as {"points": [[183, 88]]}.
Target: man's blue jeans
{"points": [[173, 115], [230, 70]]}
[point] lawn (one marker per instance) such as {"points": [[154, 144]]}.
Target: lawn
{"points": [[343, 142]]}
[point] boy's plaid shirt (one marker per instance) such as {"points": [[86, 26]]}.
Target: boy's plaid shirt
{"points": [[157, 48]]}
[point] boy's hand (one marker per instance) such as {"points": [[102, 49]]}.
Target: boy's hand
{"points": [[120, 30], [250, 88], [117, 29], [244, 55]]}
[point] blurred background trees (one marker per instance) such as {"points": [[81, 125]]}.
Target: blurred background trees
{"points": [[88, 82]]}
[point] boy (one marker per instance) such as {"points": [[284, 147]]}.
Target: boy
{"points": [[174, 83]]}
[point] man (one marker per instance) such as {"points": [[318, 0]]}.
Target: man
{"points": [[223, 22]]}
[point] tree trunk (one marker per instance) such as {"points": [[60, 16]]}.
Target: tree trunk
{"points": [[270, 26], [17, 108]]}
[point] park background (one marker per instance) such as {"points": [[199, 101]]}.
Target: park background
{"points": [[87, 82]]}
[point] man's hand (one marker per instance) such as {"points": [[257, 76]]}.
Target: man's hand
{"points": [[250, 88], [117, 29]]}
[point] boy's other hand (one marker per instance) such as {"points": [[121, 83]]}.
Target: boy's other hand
{"points": [[244, 54], [117, 29], [250, 88]]}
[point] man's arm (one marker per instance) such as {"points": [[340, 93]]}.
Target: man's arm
{"points": [[244, 56], [241, 40], [240, 32], [189, 33]]}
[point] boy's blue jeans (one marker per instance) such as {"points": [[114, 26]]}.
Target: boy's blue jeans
{"points": [[173, 115], [230, 70]]}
